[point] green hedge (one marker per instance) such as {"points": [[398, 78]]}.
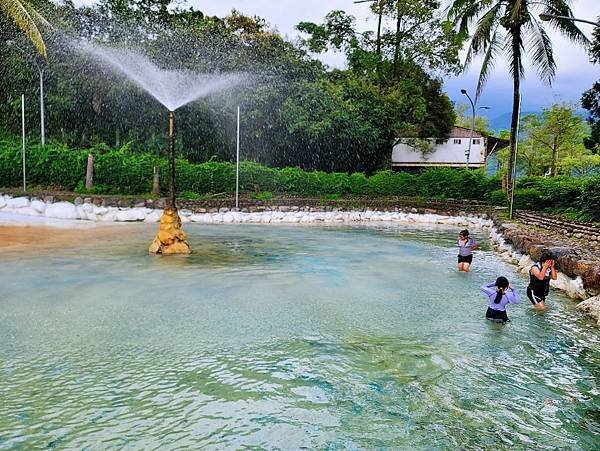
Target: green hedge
{"points": [[123, 172]]}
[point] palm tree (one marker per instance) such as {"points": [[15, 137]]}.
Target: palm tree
{"points": [[511, 27], [24, 15]]}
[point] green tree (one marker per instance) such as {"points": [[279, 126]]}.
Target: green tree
{"points": [[419, 36], [513, 28], [464, 119], [590, 100], [557, 132]]}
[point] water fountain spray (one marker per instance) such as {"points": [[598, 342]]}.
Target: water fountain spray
{"points": [[173, 89]]}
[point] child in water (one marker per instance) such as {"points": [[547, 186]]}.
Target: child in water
{"points": [[466, 245], [539, 280], [499, 294]]}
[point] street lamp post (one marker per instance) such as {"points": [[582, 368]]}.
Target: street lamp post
{"points": [[40, 63], [468, 153], [547, 17]]}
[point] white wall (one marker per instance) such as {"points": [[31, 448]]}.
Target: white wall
{"points": [[446, 154]]}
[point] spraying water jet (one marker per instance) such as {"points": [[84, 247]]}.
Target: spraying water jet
{"points": [[173, 89]]}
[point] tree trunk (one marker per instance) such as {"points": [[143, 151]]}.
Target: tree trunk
{"points": [[554, 167], [397, 43], [379, 19], [514, 122]]}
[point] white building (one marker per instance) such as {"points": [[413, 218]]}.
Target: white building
{"points": [[451, 152]]}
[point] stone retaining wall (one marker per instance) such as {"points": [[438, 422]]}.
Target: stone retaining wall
{"points": [[101, 210], [567, 228]]}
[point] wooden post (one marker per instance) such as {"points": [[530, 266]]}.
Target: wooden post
{"points": [[156, 181], [89, 173]]}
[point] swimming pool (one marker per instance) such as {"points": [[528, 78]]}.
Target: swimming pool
{"points": [[286, 337]]}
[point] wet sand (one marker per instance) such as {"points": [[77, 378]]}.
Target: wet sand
{"points": [[34, 239]]}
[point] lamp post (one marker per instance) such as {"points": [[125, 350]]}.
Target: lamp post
{"points": [[548, 17], [40, 63], [468, 153]]}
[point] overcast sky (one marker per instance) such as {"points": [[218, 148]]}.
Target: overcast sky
{"points": [[575, 73]]}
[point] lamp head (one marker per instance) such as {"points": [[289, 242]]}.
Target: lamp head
{"points": [[545, 17], [463, 91]]}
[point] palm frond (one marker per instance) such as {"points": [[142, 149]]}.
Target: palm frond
{"points": [[540, 49], [495, 45], [19, 14], [36, 16], [566, 27], [485, 29], [463, 12]]}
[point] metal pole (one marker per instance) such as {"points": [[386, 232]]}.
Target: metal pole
{"points": [[23, 133], [171, 158], [514, 164], [237, 162], [464, 91], [42, 127], [471, 138]]}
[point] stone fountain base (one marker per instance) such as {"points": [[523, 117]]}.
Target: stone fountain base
{"points": [[170, 238]]}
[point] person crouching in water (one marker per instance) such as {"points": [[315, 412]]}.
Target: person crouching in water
{"points": [[466, 246], [499, 294], [539, 280]]}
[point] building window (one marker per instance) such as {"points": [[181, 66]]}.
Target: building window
{"points": [[457, 141], [477, 141], [440, 141]]}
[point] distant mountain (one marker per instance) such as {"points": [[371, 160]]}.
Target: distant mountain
{"points": [[502, 122]]}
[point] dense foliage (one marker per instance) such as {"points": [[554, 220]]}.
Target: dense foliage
{"points": [[552, 143], [120, 171], [295, 111]]}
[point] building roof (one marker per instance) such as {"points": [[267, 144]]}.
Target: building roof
{"points": [[462, 132], [495, 144]]}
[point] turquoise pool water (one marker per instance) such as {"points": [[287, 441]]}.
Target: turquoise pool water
{"points": [[282, 337]]}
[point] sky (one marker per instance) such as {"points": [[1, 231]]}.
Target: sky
{"points": [[574, 72]]}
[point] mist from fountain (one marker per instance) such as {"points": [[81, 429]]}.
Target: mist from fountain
{"points": [[172, 88]]}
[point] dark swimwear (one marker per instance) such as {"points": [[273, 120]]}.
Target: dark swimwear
{"points": [[538, 289], [496, 315], [465, 259]]}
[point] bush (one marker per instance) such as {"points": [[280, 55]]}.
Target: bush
{"points": [[359, 184], [498, 198], [456, 184], [119, 171], [555, 192], [389, 183], [590, 198], [527, 199]]}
